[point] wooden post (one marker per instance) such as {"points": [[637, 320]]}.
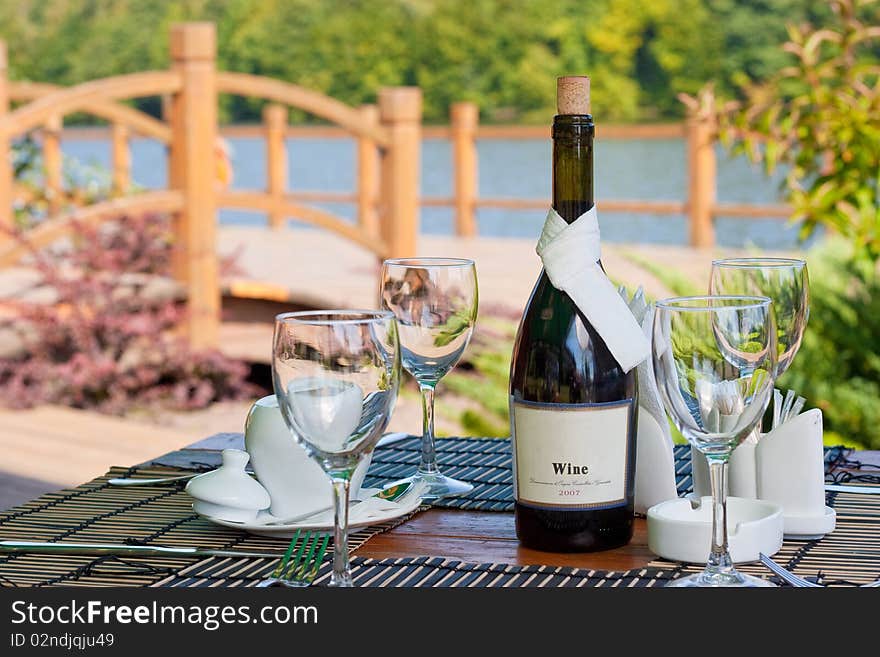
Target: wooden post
{"points": [[6, 174], [275, 124], [368, 174], [120, 158], [400, 112], [464, 119], [701, 180], [53, 163], [193, 171]]}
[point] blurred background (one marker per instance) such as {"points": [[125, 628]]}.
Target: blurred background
{"points": [[724, 127]]}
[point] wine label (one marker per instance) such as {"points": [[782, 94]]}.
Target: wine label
{"points": [[571, 456]]}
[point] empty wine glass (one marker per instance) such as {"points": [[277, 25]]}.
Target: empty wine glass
{"points": [[785, 281], [714, 358], [336, 375], [435, 302]]}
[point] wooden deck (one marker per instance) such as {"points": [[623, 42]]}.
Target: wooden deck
{"points": [[51, 447], [302, 268], [316, 269]]}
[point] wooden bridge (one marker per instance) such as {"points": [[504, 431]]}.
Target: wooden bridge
{"points": [[388, 137]]}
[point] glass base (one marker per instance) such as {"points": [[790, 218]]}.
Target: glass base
{"points": [[343, 582], [725, 578], [437, 485]]}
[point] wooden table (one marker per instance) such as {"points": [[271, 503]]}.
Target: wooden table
{"points": [[486, 536], [474, 536]]}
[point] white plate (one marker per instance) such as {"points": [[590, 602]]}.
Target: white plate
{"points": [[288, 530]]}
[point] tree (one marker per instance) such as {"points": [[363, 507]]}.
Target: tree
{"points": [[820, 116]]}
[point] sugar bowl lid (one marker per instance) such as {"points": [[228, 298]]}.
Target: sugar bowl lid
{"points": [[229, 485]]}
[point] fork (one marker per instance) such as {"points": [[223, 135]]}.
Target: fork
{"points": [[796, 580], [299, 569]]}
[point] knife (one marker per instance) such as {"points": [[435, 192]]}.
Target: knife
{"points": [[840, 488], [116, 549]]}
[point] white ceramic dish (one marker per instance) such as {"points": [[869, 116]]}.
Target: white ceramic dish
{"points": [[680, 532], [809, 528], [261, 527]]}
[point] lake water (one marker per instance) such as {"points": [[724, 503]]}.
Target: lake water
{"points": [[625, 170]]}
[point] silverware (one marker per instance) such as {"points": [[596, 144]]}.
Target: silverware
{"points": [[125, 481], [300, 569], [387, 439], [846, 488], [114, 549], [798, 581]]}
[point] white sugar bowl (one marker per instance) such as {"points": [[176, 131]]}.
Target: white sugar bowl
{"points": [[228, 493]]}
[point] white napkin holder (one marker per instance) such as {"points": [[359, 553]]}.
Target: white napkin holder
{"points": [[790, 467], [786, 467], [681, 529], [296, 484]]}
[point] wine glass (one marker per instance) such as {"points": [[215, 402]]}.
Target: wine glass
{"points": [[435, 302], [787, 283], [714, 359], [336, 375]]}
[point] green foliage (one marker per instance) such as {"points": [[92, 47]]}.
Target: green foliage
{"points": [[680, 284], [503, 54], [482, 379], [838, 366], [820, 116]]}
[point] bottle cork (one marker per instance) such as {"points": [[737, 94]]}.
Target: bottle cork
{"points": [[573, 94]]}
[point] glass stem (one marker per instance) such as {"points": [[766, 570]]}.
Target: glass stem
{"points": [[341, 574], [719, 557], [428, 465]]}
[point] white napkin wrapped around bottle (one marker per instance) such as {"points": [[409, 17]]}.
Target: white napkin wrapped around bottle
{"points": [[570, 255]]}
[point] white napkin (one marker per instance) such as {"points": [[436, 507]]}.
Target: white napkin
{"points": [[655, 461], [570, 253]]}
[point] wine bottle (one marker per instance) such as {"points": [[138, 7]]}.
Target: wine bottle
{"points": [[572, 408]]}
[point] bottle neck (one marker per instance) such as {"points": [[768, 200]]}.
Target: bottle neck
{"points": [[572, 165]]}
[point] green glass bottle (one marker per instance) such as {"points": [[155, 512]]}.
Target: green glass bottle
{"points": [[572, 408]]}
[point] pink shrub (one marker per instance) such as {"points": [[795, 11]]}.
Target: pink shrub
{"points": [[107, 337]]}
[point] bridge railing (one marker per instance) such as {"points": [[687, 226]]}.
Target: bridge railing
{"points": [[388, 135]]}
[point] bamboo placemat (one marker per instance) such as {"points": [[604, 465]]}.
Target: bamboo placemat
{"points": [[850, 555], [96, 512], [486, 463], [483, 462], [430, 572]]}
